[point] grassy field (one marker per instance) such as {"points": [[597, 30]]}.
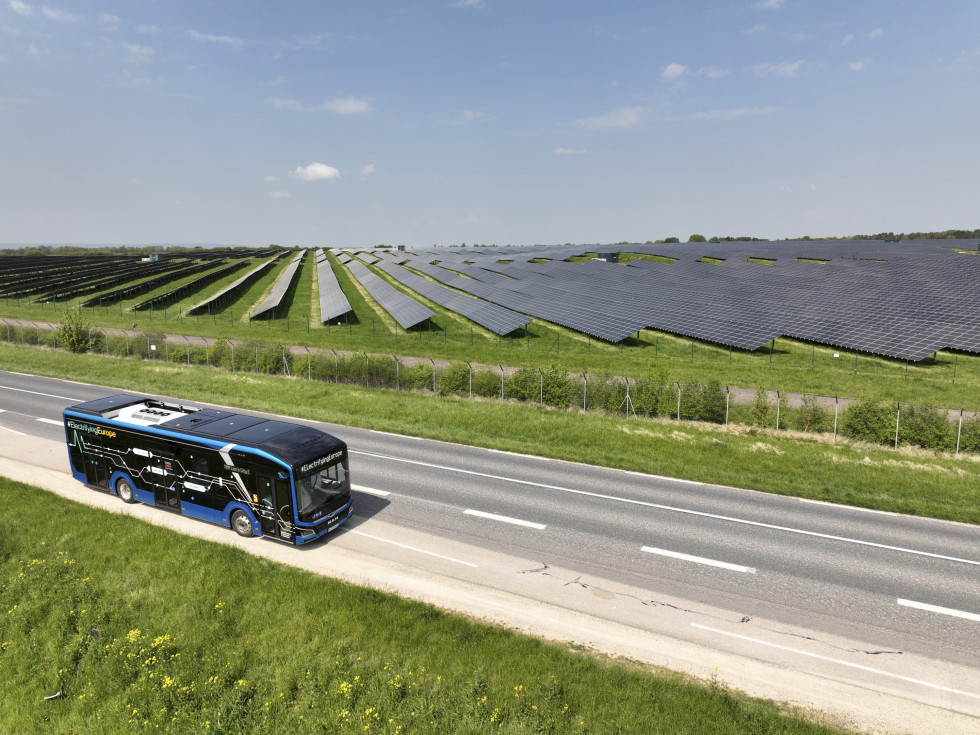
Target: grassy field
{"points": [[135, 628], [810, 466], [948, 380]]}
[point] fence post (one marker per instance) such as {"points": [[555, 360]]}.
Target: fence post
{"points": [[959, 430], [433, 374], [188, 350], [471, 377], [207, 353], [89, 337], [678, 401], [541, 388], [728, 396], [367, 369], [232, 345], [585, 392], [397, 373], [778, 401], [898, 414], [309, 361], [501, 382]]}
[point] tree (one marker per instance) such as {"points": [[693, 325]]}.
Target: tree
{"points": [[73, 331], [696, 238]]}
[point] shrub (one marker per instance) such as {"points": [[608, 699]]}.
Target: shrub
{"points": [[760, 407], [486, 383], [869, 421], [811, 415], [970, 435], [417, 377], [557, 387], [73, 331], [927, 427], [455, 380], [524, 385]]}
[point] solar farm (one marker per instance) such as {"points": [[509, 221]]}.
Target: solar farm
{"points": [[902, 300]]}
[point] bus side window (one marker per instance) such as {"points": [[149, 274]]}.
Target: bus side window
{"points": [[284, 499], [263, 491]]}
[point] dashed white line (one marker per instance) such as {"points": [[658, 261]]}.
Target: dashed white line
{"points": [[909, 679], [671, 508], [38, 393], [13, 431], [505, 519], [941, 610], [413, 548], [51, 421], [700, 560], [371, 491]]}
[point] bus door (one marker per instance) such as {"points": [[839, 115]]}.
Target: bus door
{"points": [[96, 472], [275, 505], [165, 489]]}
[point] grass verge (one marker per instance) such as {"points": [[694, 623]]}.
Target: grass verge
{"points": [[140, 629], [915, 482]]}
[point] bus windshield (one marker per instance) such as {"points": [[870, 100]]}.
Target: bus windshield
{"points": [[327, 486]]}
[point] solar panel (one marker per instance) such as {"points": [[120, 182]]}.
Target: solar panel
{"points": [[333, 302], [272, 302], [405, 310]]}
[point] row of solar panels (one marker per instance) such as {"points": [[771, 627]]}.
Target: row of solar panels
{"points": [[272, 302]]}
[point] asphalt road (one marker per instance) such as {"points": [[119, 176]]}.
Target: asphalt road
{"points": [[889, 602]]}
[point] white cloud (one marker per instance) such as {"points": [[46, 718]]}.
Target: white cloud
{"points": [[847, 39], [367, 170], [212, 38], [673, 71], [469, 3], [110, 21], [876, 33], [756, 29], [859, 65], [315, 172], [139, 54], [733, 114], [284, 103], [769, 4], [472, 115], [713, 72], [346, 106], [21, 8], [61, 15], [279, 195], [570, 151], [148, 30], [270, 177], [780, 69], [624, 117]]}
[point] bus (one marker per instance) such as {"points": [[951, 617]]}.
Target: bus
{"points": [[260, 477]]}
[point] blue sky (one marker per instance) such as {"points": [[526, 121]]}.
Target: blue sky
{"points": [[437, 122]]}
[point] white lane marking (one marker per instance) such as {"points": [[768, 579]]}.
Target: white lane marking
{"points": [[13, 431], [51, 421], [370, 491], [517, 454], [929, 684], [412, 548], [674, 509], [399, 436], [848, 507], [37, 393], [699, 560], [942, 610], [505, 519]]}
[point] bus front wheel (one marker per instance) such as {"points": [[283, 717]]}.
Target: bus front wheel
{"points": [[125, 490], [241, 523]]}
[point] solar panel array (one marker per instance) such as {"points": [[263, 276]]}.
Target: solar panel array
{"points": [[904, 300], [333, 302], [405, 310], [272, 302], [226, 294], [495, 318]]}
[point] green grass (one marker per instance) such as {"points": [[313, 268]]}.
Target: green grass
{"points": [[948, 379], [914, 482], [142, 629]]}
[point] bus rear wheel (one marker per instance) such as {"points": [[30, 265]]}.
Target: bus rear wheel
{"points": [[125, 490], [241, 523]]}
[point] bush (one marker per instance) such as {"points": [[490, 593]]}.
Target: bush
{"points": [[927, 427], [456, 380], [557, 387], [970, 435], [524, 385], [869, 421], [811, 415], [417, 377], [486, 383], [760, 408], [73, 331], [656, 394]]}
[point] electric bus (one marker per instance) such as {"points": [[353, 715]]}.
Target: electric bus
{"points": [[260, 477]]}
